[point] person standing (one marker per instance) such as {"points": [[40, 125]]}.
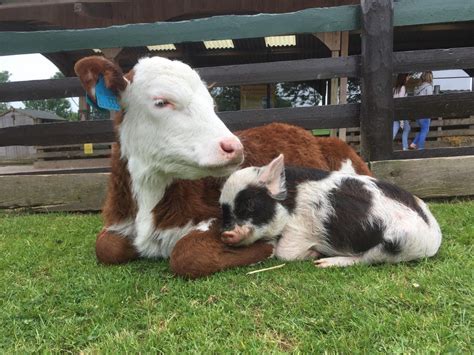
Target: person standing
{"points": [[425, 88], [400, 91]]}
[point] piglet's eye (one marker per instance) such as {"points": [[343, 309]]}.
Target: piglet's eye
{"points": [[160, 103]]}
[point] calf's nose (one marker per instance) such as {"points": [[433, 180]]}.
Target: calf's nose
{"points": [[231, 148]]}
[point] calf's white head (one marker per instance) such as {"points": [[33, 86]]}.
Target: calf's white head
{"points": [[169, 123]]}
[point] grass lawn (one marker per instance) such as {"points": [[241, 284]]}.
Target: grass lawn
{"points": [[55, 298]]}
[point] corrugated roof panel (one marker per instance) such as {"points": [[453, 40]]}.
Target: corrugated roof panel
{"points": [[221, 44], [162, 47], [280, 41]]}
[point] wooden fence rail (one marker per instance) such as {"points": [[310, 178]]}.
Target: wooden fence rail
{"points": [[332, 116], [260, 73]]}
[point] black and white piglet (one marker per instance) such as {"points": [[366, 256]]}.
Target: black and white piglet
{"points": [[348, 218]]}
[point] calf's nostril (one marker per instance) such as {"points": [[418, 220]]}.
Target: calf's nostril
{"points": [[227, 147]]}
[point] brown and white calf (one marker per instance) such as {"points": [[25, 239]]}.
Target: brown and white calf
{"points": [[168, 164]]}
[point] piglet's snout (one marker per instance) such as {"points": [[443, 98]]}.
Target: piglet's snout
{"points": [[236, 236]]}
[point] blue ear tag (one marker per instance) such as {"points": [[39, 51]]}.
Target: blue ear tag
{"points": [[106, 99]]}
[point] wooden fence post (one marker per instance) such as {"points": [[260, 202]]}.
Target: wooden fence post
{"points": [[376, 113]]}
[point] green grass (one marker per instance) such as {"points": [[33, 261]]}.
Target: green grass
{"points": [[55, 298]]}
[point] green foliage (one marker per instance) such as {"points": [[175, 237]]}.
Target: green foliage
{"points": [[353, 91], [4, 78], [55, 298], [61, 107], [298, 94], [226, 98]]}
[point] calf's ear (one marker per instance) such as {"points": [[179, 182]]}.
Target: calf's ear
{"points": [[273, 177], [90, 68]]}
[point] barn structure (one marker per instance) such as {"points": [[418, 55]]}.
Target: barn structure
{"points": [[19, 117]]}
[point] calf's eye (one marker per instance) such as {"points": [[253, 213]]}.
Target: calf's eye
{"points": [[160, 103]]}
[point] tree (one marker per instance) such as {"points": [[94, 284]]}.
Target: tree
{"points": [[61, 107], [353, 90], [227, 98], [4, 78], [297, 94]]}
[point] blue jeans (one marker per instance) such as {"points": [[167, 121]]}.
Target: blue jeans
{"points": [[406, 130], [420, 137]]}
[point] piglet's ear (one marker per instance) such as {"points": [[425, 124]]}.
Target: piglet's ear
{"points": [[90, 68], [273, 177]]}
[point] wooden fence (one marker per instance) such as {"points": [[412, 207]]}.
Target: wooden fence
{"points": [[375, 66]]}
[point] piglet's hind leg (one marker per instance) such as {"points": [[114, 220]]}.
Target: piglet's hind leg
{"points": [[340, 261]]}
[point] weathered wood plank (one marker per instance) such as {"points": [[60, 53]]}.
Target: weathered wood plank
{"points": [[67, 154], [429, 178], [69, 192], [274, 72], [445, 122], [419, 12], [40, 89], [426, 178], [376, 111], [29, 170], [50, 134], [435, 152], [433, 59], [259, 73], [446, 105], [73, 163], [332, 116], [341, 18]]}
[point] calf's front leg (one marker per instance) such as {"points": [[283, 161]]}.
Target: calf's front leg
{"points": [[111, 248], [201, 253]]}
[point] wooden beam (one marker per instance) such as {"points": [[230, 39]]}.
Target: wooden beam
{"points": [[376, 74], [445, 105], [273, 72], [446, 177], [83, 109], [40, 89], [329, 19], [433, 59], [247, 74], [343, 80], [94, 10], [45, 193], [332, 116], [334, 89], [49, 134], [29, 4], [111, 53], [434, 152], [332, 40], [421, 12], [429, 178]]}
